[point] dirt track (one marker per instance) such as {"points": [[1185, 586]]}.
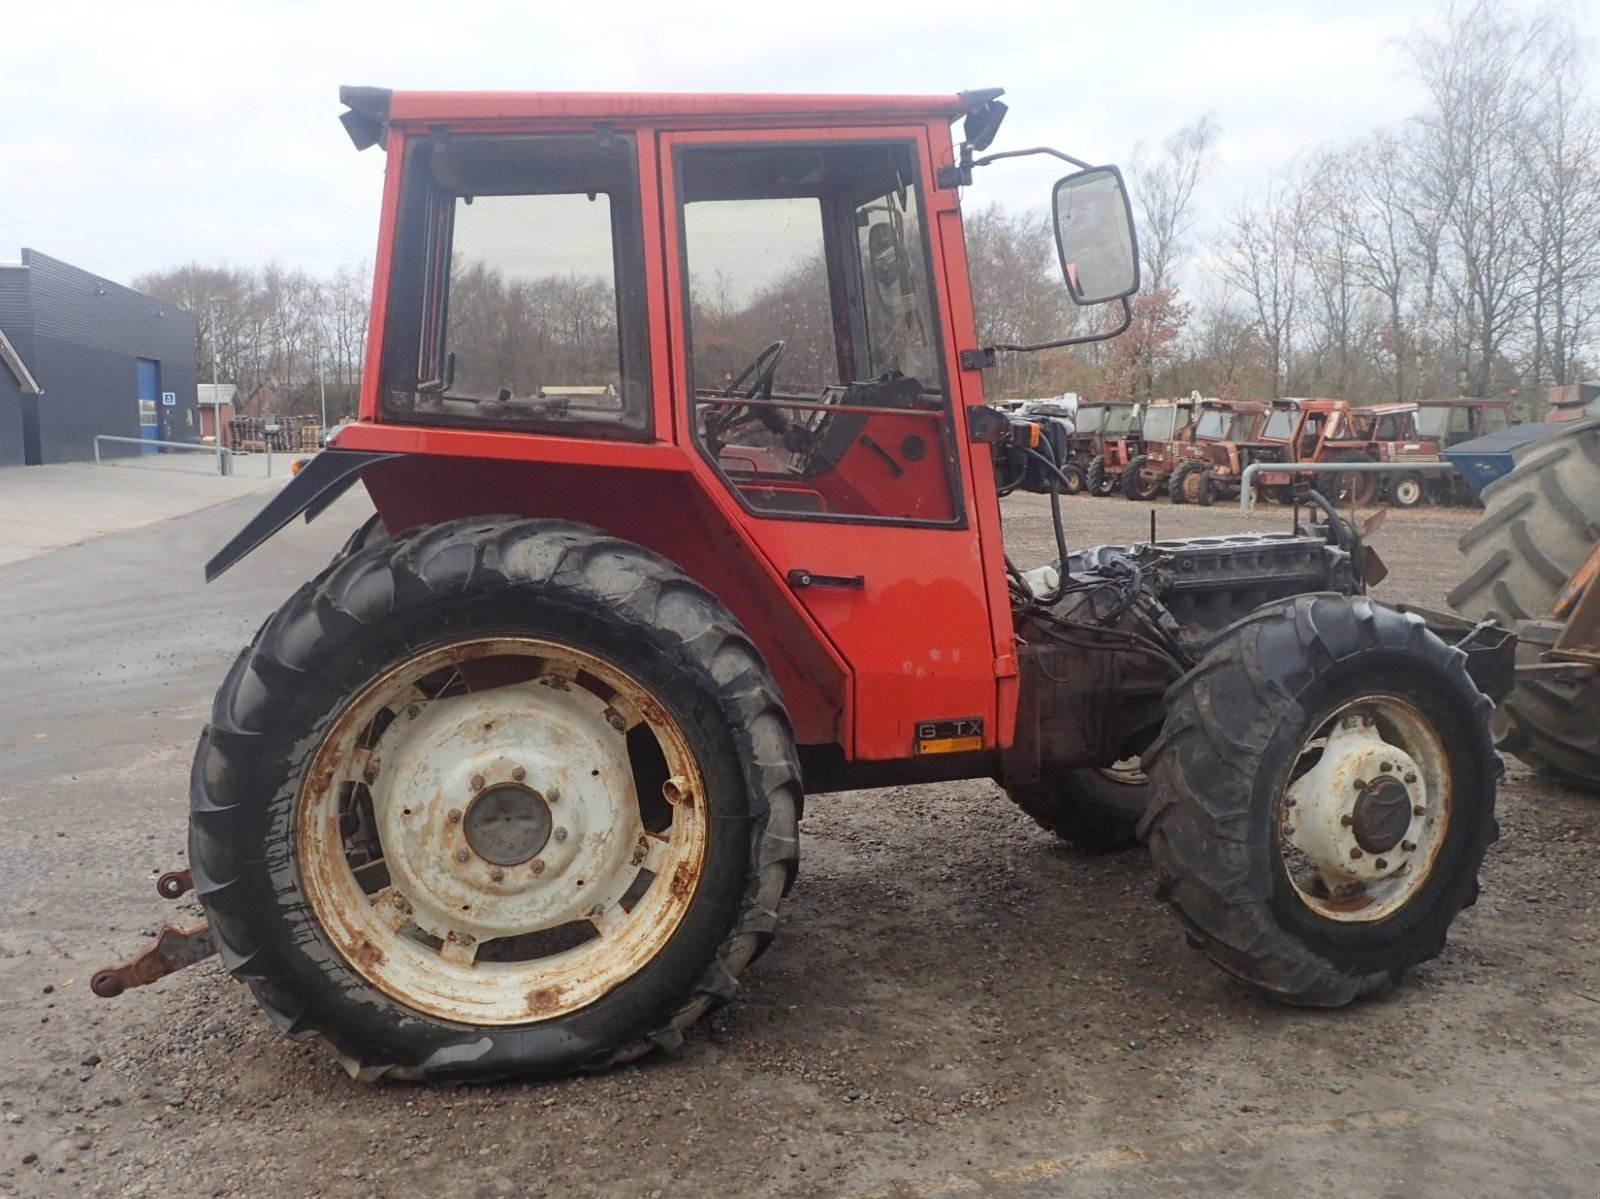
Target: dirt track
{"points": [[956, 1004]]}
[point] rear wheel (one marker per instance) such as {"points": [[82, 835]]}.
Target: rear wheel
{"points": [[498, 798], [1325, 787], [1539, 525], [1071, 478], [1357, 487], [1136, 483], [1096, 808]]}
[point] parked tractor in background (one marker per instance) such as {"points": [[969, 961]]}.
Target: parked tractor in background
{"points": [[1167, 429], [1097, 420], [1118, 440], [513, 786], [1220, 429]]}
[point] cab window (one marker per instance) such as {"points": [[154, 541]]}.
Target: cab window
{"points": [[517, 298], [817, 387]]}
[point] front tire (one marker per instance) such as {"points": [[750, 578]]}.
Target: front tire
{"points": [[1095, 479], [1135, 484], [1407, 491], [496, 797], [1184, 485], [1326, 785]]}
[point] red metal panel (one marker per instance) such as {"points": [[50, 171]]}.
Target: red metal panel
{"points": [[721, 111]]}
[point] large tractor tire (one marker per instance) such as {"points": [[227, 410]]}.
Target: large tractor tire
{"points": [[1136, 485], [1095, 479], [1095, 809], [1184, 486], [1358, 488], [495, 797], [1324, 794], [1539, 524]]}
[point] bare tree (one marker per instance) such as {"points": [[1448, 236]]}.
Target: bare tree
{"points": [[1264, 257], [1163, 188]]}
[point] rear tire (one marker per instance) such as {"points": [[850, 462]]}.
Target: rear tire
{"points": [[1072, 474], [1094, 810], [290, 798], [1252, 814], [1358, 488], [1539, 524]]}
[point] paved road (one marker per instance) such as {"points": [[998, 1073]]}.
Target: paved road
{"points": [[956, 1005]]}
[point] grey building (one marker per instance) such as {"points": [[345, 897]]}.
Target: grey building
{"points": [[81, 355]]}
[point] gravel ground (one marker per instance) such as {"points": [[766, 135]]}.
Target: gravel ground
{"points": [[957, 1004]]}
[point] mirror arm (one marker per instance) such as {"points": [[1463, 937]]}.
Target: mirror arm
{"points": [[988, 158], [975, 360]]}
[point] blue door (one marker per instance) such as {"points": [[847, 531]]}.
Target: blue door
{"points": [[149, 397]]}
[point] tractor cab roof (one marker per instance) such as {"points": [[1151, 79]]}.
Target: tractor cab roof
{"points": [[373, 109]]}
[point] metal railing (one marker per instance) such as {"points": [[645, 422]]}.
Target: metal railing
{"points": [[1247, 489], [223, 454]]}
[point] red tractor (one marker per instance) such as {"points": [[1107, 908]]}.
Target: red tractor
{"points": [[1220, 428], [1117, 441], [1167, 430], [514, 785]]}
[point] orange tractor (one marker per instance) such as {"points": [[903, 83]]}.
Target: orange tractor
{"points": [[514, 785], [1220, 428], [1166, 432]]}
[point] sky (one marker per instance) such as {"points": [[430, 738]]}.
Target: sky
{"points": [[135, 137]]}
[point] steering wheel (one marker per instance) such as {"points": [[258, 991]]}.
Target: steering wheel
{"points": [[764, 366], [759, 374]]}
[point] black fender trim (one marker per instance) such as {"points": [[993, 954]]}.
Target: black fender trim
{"points": [[322, 480]]}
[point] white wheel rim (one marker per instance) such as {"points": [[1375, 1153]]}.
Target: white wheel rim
{"points": [[470, 836], [1409, 491], [1362, 822]]}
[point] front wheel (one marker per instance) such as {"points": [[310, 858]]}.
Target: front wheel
{"points": [[1407, 491], [1095, 479], [495, 798], [1139, 481], [1326, 783]]}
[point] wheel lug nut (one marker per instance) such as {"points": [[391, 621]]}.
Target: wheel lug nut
{"points": [[1347, 820], [462, 855], [477, 782], [453, 816], [1408, 846], [1361, 784], [1411, 776], [560, 834], [1419, 810], [497, 875], [552, 795], [519, 774], [1386, 767], [1355, 851], [538, 865], [1381, 864]]}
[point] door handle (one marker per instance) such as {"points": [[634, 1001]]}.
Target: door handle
{"points": [[801, 577]]}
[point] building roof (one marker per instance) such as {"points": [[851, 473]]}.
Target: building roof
{"points": [[18, 368], [210, 394]]}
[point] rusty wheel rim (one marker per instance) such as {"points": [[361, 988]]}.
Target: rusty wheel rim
{"points": [[501, 830], [1361, 824]]}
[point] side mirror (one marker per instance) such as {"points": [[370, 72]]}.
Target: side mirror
{"points": [[1095, 237]]}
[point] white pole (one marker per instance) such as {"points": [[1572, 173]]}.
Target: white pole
{"points": [[216, 397], [322, 382]]}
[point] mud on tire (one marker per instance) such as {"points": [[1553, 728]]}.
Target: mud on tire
{"points": [[1237, 725], [388, 603], [1086, 808]]}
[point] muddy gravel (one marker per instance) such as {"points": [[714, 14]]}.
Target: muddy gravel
{"points": [[956, 1003]]}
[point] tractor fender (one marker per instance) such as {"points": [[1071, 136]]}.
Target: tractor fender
{"points": [[323, 479]]}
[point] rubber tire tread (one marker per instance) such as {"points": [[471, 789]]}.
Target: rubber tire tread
{"points": [[1094, 477], [1070, 808], [247, 883], [1229, 722], [1539, 524], [1179, 476], [1130, 480]]}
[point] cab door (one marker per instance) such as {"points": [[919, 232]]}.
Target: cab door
{"points": [[813, 390]]}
